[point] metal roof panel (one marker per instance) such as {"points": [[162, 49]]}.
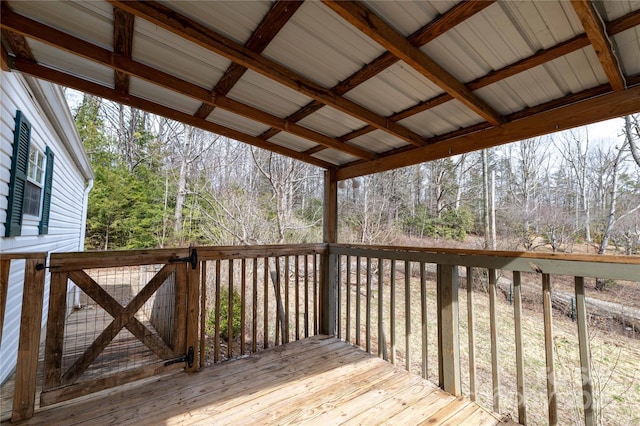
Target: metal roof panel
{"points": [[378, 141], [320, 46], [234, 19], [234, 121], [331, 122], [260, 92], [628, 50], [69, 63], [393, 90], [292, 141], [153, 45], [159, 95], [92, 21]]}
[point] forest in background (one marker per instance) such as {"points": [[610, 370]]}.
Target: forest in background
{"points": [[159, 183]]}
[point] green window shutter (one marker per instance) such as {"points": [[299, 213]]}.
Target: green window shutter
{"points": [[43, 228], [18, 182]]}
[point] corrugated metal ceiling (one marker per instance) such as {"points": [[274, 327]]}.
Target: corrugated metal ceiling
{"points": [[321, 72]]}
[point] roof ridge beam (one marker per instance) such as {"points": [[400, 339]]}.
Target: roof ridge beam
{"points": [[22, 25], [595, 29], [28, 67], [277, 17], [205, 37], [379, 30]]}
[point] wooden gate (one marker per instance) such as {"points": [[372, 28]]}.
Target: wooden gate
{"points": [[136, 316]]}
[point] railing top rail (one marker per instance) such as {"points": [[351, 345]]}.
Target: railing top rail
{"points": [[248, 252], [73, 261], [18, 256], [598, 266], [61, 262]]}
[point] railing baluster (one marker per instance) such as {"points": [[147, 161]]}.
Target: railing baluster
{"points": [[316, 302], [348, 294], [493, 318], [297, 296], [549, 352], [254, 343], [471, 335], [216, 348], [339, 294], [517, 313], [368, 307], [275, 278], [306, 296], [286, 299], [243, 304], [407, 313], [230, 312], [265, 295], [392, 308], [585, 353], [382, 341], [423, 312], [358, 283], [203, 310]]}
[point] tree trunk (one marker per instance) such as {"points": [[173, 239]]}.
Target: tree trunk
{"points": [[182, 179]]}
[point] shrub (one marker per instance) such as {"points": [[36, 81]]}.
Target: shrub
{"points": [[224, 315]]}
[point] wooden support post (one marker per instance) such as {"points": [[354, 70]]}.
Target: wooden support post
{"points": [[328, 279], [193, 315], [448, 327], [517, 313], [29, 341], [493, 325], [585, 353], [471, 335], [549, 352]]}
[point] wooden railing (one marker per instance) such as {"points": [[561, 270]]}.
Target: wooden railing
{"points": [[276, 287], [401, 303], [387, 295]]}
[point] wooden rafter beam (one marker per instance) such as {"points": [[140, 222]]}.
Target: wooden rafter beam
{"points": [[64, 79], [279, 14], [376, 28], [17, 42], [444, 22], [4, 65], [15, 22], [596, 32], [205, 37], [122, 44], [546, 120]]}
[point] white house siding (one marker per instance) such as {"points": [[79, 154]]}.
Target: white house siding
{"points": [[44, 106]]}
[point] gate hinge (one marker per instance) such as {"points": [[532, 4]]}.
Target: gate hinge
{"points": [[188, 358], [192, 259]]}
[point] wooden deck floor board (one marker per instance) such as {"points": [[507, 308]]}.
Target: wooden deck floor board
{"points": [[318, 380]]}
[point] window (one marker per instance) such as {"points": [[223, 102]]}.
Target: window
{"points": [[35, 178], [31, 181]]}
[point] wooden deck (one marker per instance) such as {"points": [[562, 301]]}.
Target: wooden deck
{"points": [[319, 380]]}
